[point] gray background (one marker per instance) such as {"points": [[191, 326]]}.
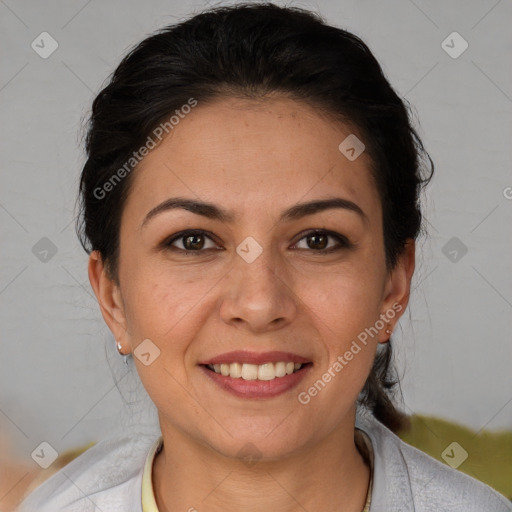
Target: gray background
{"points": [[60, 376]]}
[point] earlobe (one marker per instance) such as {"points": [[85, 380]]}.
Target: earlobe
{"points": [[108, 295]]}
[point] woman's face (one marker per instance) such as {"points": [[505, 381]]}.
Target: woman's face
{"points": [[258, 281]]}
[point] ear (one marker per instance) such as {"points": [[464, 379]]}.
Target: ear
{"points": [[109, 297], [397, 289]]}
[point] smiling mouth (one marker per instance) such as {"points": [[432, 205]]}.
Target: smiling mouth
{"points": [[264, 372]]}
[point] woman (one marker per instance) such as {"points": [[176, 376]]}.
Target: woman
{"points": [[250, 204]]}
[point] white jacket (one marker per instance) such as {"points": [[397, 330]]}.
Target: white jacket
{"points": [[108, 478]]}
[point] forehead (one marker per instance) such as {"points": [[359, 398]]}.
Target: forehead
{"points": [[252, 155]]}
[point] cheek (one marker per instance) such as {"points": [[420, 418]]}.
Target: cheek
{"points": [[164, 309], [345, 307], [157, 296], [346, 298]]}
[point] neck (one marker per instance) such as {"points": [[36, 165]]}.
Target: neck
{"points": [[330, 474]]}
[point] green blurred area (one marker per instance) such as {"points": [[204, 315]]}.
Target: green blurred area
{"points": [[489, 452]]}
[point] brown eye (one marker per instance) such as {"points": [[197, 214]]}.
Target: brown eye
{"points": [[316, 241], [319, 241], [192, 241]]}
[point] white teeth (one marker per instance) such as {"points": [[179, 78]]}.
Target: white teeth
{"points": [[267, 371], [249, 372], [280, 369], [235, 370]]}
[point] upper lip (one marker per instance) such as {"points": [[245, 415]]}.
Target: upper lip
{"points": [[245, 356]]}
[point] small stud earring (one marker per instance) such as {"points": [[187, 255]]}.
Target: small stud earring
{"points": [[388, 330], [125, 356]]}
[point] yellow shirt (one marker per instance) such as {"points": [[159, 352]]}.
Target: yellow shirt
{"points": [[148, 496], [362, 442]]}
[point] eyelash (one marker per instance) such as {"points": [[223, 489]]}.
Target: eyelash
{"points": [[342, 241]]}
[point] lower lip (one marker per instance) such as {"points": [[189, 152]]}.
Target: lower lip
{"points": [[258, 388]]}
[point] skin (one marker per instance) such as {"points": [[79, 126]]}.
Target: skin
{"points": [[256, 159]]}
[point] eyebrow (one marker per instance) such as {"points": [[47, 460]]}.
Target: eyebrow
{"points": [[212, 211]]}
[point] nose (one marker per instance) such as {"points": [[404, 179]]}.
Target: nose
{"points": [[258, 295]]}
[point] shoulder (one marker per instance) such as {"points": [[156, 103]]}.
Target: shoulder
{"points": [[105, 477], [407, 479]]}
